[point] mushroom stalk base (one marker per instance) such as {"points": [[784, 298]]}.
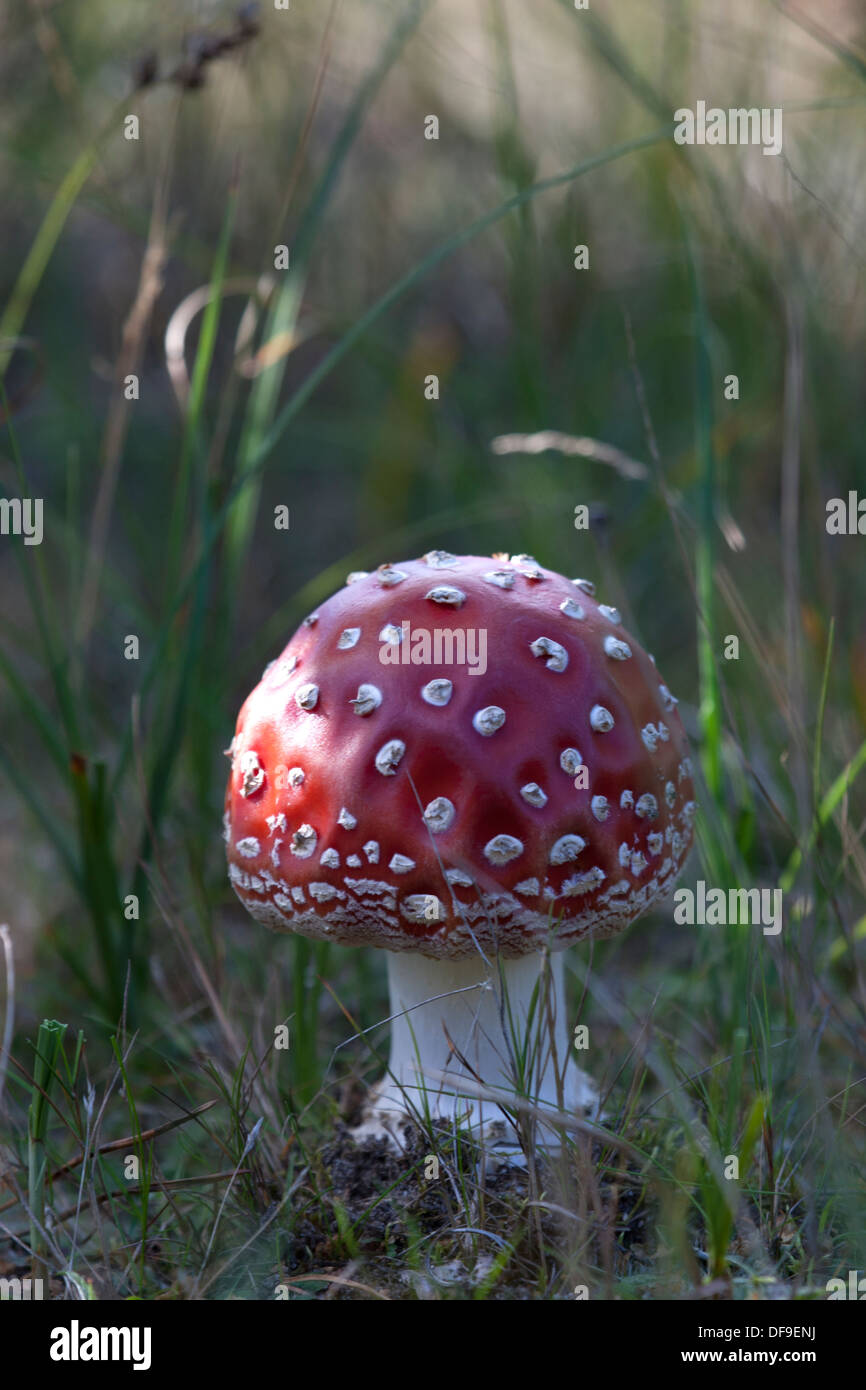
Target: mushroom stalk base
{"points": [[487, 1015]]}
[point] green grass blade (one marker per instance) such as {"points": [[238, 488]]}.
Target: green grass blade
{"points": [[48, 1048], [710, 713], [33, 269], [191, 442], [822, 707], [828, 805], [48, 822], [34, 710]]}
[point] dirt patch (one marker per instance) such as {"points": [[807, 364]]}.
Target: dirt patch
{"points": [[429, 1223]]}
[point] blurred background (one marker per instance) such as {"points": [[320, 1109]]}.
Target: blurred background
{"points": [[259, 386]]}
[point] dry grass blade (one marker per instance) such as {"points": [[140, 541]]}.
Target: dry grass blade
{"points": [[9, 1012], [502, 1096], [189, 307], [145, 1137], [579, 446], [336, 1281], [158, 1184], [115, 1145], [128, 364]]}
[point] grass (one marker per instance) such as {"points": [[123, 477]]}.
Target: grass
{"points": [[158, 1143]]}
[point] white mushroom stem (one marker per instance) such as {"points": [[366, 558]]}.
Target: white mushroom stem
{"points": [[486, 1015]]}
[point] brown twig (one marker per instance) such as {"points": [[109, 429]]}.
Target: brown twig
{"points": [[125, 1143], [159, 1185]]}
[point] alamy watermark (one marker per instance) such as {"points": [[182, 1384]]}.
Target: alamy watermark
{"points": [[738, 125], [714, 907], [77, 1343], [854, 1290], [22, 518], [420, 646], [846, 517], [21, 1290]]}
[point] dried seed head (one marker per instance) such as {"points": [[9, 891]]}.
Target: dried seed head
{"points": [[248, 18], [145, 70]]}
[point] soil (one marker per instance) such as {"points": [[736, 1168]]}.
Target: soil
{"points": [[416, 1233]]}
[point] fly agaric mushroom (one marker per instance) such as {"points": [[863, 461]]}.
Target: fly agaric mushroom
{"points": [[387, 791]]}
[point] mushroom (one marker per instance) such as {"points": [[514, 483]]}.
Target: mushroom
{"points": [[470, 822]]}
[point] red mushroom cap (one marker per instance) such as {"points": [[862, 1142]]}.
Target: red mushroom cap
{"points": [[416, 803]]}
